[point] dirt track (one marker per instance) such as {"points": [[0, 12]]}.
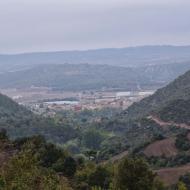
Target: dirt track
{"points": [[164, 123]]}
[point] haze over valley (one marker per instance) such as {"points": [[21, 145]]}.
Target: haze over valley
{"points": [[94, 95]]}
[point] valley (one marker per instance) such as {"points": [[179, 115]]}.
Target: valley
{"points": [[81, 121], [40, 100], [94, 95]]}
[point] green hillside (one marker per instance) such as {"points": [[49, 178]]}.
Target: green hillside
{"points": [[177, 111], [170, 104], [19, 122], [178, 89]]}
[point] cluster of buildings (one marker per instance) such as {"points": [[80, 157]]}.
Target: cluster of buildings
{"points": [[92, 101]]}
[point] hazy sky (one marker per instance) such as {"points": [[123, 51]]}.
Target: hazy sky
{"points": [[50, 25]]}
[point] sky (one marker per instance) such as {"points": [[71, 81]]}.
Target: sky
{"points": [[55, 25]]}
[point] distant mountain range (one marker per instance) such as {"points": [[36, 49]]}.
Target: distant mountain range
{"points": [[128, 57], [146, 67]]}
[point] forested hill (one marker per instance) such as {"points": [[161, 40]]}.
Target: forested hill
{"points": [[8, 106], [165, 114], [178, 89], [90, 77], [20, 122]]}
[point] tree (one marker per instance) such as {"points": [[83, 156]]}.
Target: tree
{"points": [[23, 172], [92, 139], [2, 183], [70, 166], [134, 174], [3, 134], [49, 155], [181, 186], [66, 166], [100, 178]]}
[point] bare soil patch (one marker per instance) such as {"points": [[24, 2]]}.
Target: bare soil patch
{"points": [[171, 176], [164, 147]]}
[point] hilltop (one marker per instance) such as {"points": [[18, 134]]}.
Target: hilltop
{"points": [[128, 57]]}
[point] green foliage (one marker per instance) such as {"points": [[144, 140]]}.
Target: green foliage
{"points": [[37, 164], [20, 122], [181, 186], [182, 141], [100, 178], [66, 166], [96, 188], [3, 135], [134, 174], [24, 172], [92, 139], [2, 183], [178, 89], [181, 158], [177, 111], [185, 179], [93, 176], [48, 155], [83, 173]]}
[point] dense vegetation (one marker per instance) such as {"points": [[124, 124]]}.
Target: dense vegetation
{"points": [[178, 89], [77, 132], [36, 164], [182, 141], [19, 122], [177, 111], [76, 77]]}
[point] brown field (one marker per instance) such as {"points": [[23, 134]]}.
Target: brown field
{"points": [[171, 176], [164, 147]]}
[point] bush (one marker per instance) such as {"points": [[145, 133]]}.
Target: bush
{"points": [[134, 174]]}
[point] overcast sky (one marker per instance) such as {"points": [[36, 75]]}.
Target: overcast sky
{"points": [[51, 25]]}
